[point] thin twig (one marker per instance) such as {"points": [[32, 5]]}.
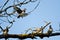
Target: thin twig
{"points": [[4, 4]]}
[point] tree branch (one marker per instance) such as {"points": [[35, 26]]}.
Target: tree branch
{"points": [[24, 36], [21, 3]]}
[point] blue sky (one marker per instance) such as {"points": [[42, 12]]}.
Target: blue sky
{"points": [[48, 10]]}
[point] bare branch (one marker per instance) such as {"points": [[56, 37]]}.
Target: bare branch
{"points": [[24, 36], [22, 3], [5, 4]]}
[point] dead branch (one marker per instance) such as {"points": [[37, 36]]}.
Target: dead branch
{"points": [[19, 4], [24, 36]]}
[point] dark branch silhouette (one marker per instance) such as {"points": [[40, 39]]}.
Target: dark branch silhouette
{"points": [[4, 4], [24, 36]]}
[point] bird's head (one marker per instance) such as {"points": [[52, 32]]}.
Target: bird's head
{"points": [[24, 10]]}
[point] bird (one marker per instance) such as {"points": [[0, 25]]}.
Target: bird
{"points": [[21, 13], [5, 31], [50, 30]]}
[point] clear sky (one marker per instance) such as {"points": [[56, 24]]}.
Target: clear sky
{"points": [[48, 10]]}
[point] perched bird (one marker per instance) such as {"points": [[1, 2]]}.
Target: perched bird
{"points": [[5, 31], [50, 30]]}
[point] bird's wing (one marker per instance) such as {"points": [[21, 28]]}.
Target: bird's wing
{"points": [[18, 10]]}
